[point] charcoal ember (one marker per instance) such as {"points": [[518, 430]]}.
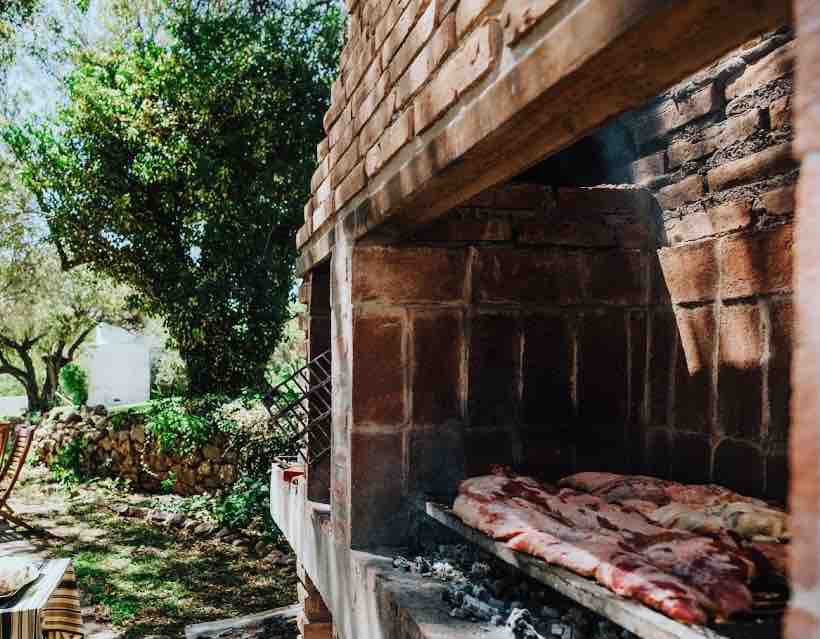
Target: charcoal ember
{"points": [[607, 630], [402, 563], [520, 622], [564, 631], [421, 566], [445, 571], [479, 609], [497, 620], [459, 613], [548, 612], [479, 570]]}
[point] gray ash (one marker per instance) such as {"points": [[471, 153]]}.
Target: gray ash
{"points": [[482, 589]]}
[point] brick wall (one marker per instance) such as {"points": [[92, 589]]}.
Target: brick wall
{"points": [[716, 152], [512, 331]]}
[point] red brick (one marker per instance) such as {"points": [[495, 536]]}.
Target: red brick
{"points": [[302, 235], [777, 478], [547, 391], [521, 16], [801, 623], [638, 334], [378, 370], [375, 94], [416, 39], [603, 371], [341, 133], [630, 200], [757, 263], [385, 26], [377, 123], [780, 113], [469, 228], [403, 27], [712, 221], [462, 70], [319, 175], [780, 365], [716, 137], [691, 461], [437, 383], [662, 348], [347, 162], [616, 277], [777, 202], [520, 196], [321, 150], [739, 466], [321, 214], [688, 190], [690, 271], [565, 230], [740, 377], [807, 79], [407, 275], [360, 62], [693, 377], [427, 61], [484, 449], [659, 454], [522, 275], [467, 12], [350, 186], [771, 161], [778, 63], [804, 438], [391, 142], [377, 476], [673, 114], [648, 167], [435, 458], [495, 345]]}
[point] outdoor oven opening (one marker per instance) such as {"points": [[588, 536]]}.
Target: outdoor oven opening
{"points": [[628, 312]]}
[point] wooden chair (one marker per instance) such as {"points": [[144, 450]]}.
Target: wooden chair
{"points": [[5, 429], [12, 468]]}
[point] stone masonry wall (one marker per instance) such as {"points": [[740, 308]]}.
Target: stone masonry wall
{"points": [[116, 445], [716, 152]]}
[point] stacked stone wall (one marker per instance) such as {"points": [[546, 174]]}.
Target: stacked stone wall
{"points": [[116, 445]]}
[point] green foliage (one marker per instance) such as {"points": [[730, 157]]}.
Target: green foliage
{"points": [[74, 381], [174, 427], [180, 166], [167, 485], [67, 468], [246, 502]]}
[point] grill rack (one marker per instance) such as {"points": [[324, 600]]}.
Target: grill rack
{"points": [[300, 408]]}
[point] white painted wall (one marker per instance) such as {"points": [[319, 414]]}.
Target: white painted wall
{"points": [[13, 406], [118, 364]]}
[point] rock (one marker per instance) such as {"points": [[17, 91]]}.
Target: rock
{"points": [[274, 556], [203, 529], [138, 433], [123, 510], [72, 418], [210, 452], [260, 548], [157, 517], [241, 542], [99, 410], [176, 520], [222, 533]]}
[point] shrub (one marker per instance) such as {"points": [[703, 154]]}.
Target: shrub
{"points": [[67, 467], [74, 382], [247, 501]]}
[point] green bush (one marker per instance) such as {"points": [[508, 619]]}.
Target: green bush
{"points": [[67, 468], [247, 502], [74, 381]]}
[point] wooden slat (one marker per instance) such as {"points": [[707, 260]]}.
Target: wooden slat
{"points": [[636, 618]]}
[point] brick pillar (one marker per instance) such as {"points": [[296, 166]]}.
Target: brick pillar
{"points": [[315, 622], [803, 621]]}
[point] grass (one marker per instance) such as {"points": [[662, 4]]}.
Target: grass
{"points": [[149, 580]]}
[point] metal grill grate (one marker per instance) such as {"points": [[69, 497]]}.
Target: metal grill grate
{"points": [[300, 408]]}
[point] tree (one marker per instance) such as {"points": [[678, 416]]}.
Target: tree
{"points": [[181, 168], [45, 313]]}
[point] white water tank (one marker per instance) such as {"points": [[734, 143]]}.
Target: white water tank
{"points": [[118, 364]]}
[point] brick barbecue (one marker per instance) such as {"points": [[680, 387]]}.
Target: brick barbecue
{"points": [[560, 236]]}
